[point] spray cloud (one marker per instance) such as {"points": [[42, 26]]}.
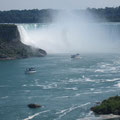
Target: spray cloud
{"points": [[69, 33]]}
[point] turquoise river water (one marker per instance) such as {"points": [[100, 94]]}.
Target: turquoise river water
{"points": [[66, 88]]}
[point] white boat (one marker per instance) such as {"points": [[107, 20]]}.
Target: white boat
{"points": [[30, 70], [75, 56]]}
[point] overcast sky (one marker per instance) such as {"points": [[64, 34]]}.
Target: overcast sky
{"points": [[56, 4]]}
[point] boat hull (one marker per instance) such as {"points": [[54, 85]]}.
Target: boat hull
{"points": [[30, 72]]}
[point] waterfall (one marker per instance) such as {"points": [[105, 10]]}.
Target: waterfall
{"points": [[71, 37], [23, 34]]}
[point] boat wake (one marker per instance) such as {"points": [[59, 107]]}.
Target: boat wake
{"points": [[32, 116]]}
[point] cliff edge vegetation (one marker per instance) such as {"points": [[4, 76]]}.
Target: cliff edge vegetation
{"points": [[108, 106]]}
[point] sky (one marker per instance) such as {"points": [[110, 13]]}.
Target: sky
{"points": [[56, 4]]}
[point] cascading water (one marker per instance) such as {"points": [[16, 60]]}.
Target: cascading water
{"points": [[23, 34], [70, 34]]}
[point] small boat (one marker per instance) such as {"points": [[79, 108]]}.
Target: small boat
{"points": [[75, 56], [30, 70]]}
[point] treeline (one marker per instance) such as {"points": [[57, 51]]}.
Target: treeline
{"points": [[26, 16], [46, 15], [109, 13]]}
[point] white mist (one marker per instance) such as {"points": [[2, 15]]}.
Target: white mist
{"points": [[69, 33]]}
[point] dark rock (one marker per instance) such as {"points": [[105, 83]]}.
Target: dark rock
{"points": [[34, 105], [98, 103], [12, 48]]}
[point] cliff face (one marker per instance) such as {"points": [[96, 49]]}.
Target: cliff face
{"points": [[12, 48]]}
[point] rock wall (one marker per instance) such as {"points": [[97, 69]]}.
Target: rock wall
{"points": [[12, 48]]}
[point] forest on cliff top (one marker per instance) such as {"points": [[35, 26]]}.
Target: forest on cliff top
{"points": [[46, 15]]}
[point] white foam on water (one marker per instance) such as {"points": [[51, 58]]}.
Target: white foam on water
{"points": [[78, 94], [74, 80], [89, 116], [92, 89], [62, 111], [45, 86], [107, 91], [5, 97], [62, 97], [113, 68], [94, 92], [73, 88], [108, 68], [100, 70], [32, 116], [49, 86], [89, 80], [97, 92], [112, 80], [24, 85], [83, 79], [117, 85], [103, 66], [68, 110], [83, 93]]}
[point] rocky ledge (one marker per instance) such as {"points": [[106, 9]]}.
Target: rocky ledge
{"points": [[12, 48], [109, 106], [32, 105]]}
